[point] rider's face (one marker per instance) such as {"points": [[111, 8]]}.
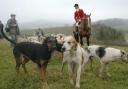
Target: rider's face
{"points": [[76, 7], [13, 17]]}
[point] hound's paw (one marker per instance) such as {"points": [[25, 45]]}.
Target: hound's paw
{"points": [[100, 75], [44, 85], [77, 86], [72, 82]]}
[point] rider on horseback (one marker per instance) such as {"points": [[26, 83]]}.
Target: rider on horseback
{"points": [[78, 16], [82, 27]]}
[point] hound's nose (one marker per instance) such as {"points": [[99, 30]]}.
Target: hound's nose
{"points": [[63, 49]]}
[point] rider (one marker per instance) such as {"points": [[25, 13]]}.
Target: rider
{"points": [[78, 16]]}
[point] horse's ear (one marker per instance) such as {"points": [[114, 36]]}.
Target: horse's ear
{"points": [[90, 14]]}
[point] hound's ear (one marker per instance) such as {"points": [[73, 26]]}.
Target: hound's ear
{"points": [[122, 52], [86, 48], [46, 40], [60, 37]]}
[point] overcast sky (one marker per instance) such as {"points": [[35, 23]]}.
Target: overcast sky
{"points": [[63, 10]]}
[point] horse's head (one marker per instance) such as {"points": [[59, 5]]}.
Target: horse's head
{"points": [[85, 26], [86, 20]]}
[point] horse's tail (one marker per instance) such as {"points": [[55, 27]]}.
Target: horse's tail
{"points": [[2, 32]]}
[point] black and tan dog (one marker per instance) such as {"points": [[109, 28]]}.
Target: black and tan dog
{"points": [[38, 53]]}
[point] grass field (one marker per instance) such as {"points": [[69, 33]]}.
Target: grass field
{"points": [[90, 80]]}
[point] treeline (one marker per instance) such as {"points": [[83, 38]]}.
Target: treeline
{"points": [[107, 34]]}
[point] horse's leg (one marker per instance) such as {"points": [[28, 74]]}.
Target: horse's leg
{"points": [[81, 40], [88, 40], [76, 36]]}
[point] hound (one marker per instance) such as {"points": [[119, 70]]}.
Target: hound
{"points": [[106, 55], [38, 53], [74, 55]]}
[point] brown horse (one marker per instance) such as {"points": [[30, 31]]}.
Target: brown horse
{"points": [[84, 30]]}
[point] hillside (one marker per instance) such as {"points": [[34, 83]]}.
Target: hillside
{"points": [[121, 24], [42, 24]]}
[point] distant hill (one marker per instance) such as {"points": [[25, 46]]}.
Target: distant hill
{"points": [[53, 30], [42, 24], [121, 24]]}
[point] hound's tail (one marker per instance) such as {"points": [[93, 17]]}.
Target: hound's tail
{"points": [[2, 32]]}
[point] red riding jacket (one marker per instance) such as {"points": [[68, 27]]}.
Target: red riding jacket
{"points": [[79, 15]]}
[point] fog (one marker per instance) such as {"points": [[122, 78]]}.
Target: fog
{"points": [[61, 10]]}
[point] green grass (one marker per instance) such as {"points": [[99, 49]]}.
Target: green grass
{"points": [[90, 80]]}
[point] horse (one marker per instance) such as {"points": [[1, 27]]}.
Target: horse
{"points": [[84, 30]]}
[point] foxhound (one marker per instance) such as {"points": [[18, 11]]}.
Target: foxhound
{"points": [[106, 55], [74, 55]]}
